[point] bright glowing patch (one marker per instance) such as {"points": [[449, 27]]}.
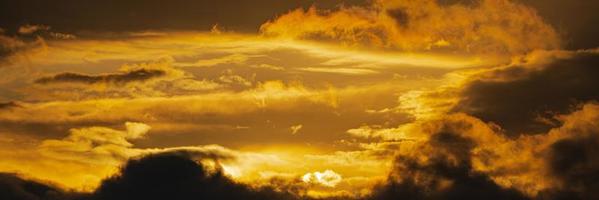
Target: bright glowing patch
{"points": [[328, 178]]}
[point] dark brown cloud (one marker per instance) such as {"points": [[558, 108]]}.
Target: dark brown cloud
{"points": [[524, 98], [569, 156], [8, 105], [447, 173], [175, 176], [119, 78], [574, 162]]}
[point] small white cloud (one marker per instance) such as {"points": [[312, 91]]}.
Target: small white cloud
{"points": [[328, 178]]}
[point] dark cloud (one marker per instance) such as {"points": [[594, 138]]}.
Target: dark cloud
{"points": [[13, 187], [442, 167], [175, 176], [120, 78], [172, 175], [528, 97], [574, 162], [400, 16], [447, 174], [8, 105]]}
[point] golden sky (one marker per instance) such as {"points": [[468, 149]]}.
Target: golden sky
{"points": [[329, 99]]}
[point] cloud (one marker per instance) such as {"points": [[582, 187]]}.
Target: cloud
{"points": [[229, 77], [457, 156], [478, 28], [9, 105], [569, 155], [296, 128], [96, 144], [523, 97], [233, 59], [30, 29], [16, 188], [404, 132], [90, 154], [268, 66], [175, 176], [139, 75], [343, 71], [441, 166], [154, 78], [12, 48], [573, 163], [327, 178], [437, 156]]}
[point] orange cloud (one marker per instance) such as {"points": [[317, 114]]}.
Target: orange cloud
{"points": [[484, 27]]}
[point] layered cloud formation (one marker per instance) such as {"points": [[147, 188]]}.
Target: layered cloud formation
{"points": [[383, 99]]}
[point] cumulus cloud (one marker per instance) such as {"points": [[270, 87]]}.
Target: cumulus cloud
{"points": [[525, 128], [478, 28], [457, 156], [90, 154], [568, 153], [175, 176], [441, 165]]}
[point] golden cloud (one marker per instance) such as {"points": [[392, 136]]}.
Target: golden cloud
{"points": [[483, 27]]}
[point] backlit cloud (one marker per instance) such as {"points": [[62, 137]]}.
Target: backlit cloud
{"points": [[477, 28]]}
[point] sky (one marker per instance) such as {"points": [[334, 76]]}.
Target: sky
{"points": [[309, 99]]}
